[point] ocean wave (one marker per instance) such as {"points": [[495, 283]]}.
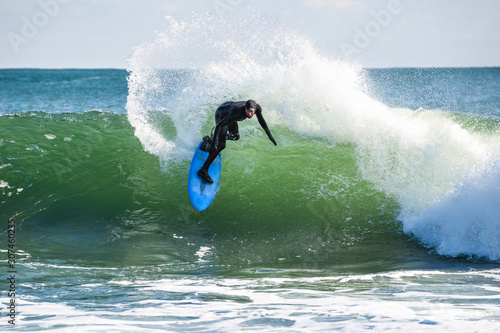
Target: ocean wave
{"points": [[413, 156]]}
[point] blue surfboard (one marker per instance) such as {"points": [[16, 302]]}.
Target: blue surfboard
{"points": [[202, 193]]}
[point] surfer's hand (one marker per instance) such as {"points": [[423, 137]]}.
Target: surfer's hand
{"points": [[270, 136]]}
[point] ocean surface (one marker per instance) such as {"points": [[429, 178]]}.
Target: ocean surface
{"points": [[379, 210]]}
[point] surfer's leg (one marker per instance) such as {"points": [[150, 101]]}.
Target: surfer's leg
{"points": [[211, 157], [233, 131], [203, 172]]}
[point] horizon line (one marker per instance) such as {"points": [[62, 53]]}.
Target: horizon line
{"points": [[368, 67]]}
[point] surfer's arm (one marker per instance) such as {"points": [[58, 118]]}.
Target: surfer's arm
{"points": [[262, 123]]}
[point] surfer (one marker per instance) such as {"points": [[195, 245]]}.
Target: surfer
{"points": [[227, 116]]}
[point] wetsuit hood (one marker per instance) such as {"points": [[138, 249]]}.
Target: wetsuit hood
{"points": [[250, 104]]}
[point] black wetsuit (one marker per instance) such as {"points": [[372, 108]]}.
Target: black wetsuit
{"points": [[227, 116]]}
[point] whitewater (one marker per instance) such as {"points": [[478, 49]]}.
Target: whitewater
{"points": [[443, 174]]}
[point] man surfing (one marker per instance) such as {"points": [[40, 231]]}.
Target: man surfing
{"points": [[227, 116]]}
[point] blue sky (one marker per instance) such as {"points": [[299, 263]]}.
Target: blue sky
{"points": [[374, 33]]}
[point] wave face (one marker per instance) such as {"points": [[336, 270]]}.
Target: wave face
{"points": [[81, 183], [343, 158]]}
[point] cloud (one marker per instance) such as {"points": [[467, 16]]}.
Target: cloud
{"points": [[337, 4]]}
